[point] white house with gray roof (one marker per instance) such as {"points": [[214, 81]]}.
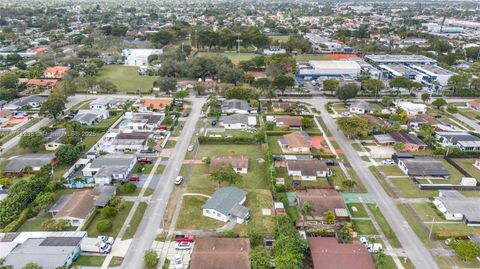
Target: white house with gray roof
{"points": [[106, 103], [91, 117], [461, 140], [108, 168], [226, 204], [238, 121], [455, 206], [360, 107]]}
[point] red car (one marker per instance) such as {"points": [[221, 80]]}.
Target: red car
{"points": [[184, 238], [134, 178]]}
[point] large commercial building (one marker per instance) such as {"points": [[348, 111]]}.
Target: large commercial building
{"points": [[315, 69], [139, 57], [399, 59]]}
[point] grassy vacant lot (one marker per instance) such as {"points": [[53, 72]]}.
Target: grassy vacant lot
{"points": [[391, 170], [117, 221], [191, 216], [126, 78], [137, 218], [360, 213], [34, 224], [364, 227], [89, 261], [281, 38], [234, 57], [467, 165], [408, 189]]}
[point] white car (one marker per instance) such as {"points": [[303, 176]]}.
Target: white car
{"points": [[106, 239], [190, 148], [374, 248], [364, 240], [105, 248], [345, 113], [183, 246], [178, 261], [178, 180], [388, 162]]}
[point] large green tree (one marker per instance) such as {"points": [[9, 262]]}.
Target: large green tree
{"points": [[226, 174], [282, 82], [32, 141], [373, 85], [166, 84], [347, 91], [260, 258], [331, 85], [54, 105], [353, 127], [150, 258]]}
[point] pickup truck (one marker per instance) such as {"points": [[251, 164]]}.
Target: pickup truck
{"points": [[184, 238]]}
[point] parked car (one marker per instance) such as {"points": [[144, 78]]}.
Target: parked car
{"points": [[183, 246], [134, 178], [178, 180], [190, 148], [106, 239], [184, 238], [364, 240], [345, 113], [449, 241], [105, 248], [178, 261], [388, 162], [374, 248]]}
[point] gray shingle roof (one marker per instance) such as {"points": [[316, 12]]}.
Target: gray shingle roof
{"points": [[235, 118], [17, 164], [235, 104], [112, 160], [225, 199], [425, 167]]}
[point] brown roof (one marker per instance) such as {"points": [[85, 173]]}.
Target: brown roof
{"points": [[424, 118], [407, 138], [327, 253], [42, 82], [298, 140], [79, 205], [221, 253], [373, 120], [475, 102], [322, 200], [307, 167], [237, 161], [5, 113], [282, 105], [289, 120], [133, 135]]}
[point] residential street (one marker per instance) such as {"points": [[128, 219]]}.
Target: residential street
{"points": [[420, 256], [154, 215]]}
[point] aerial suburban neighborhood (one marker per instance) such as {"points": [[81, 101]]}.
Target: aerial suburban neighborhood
{"points": [[239, 134]]}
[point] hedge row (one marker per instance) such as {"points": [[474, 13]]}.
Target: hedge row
{"points": [[95, 129], [278, 133], [457, 234], [14, 225], [226, 140]]}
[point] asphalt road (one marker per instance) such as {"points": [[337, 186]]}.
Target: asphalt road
{"points": [[150, 224], [72, 101], [414, 248]]}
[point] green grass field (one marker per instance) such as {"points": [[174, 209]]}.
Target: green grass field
{"points": [[280, 38], [117, 221], [89, 261], [136, 219], [126, 78], [234, 57], [364, 227], [310, 57], [191, 215]]}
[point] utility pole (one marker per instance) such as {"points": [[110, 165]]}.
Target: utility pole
{"points": [[238, 42]]}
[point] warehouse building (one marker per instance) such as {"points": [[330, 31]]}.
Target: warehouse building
{"points": [[315, 69]]}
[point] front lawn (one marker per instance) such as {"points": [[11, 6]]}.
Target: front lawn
{"points": [[391, 170], [360, 210], [386, 229], [408, 189], [117, 221], [89, 261], [126, 78], [35, 223], [467, 165], [364, 227], [191, 215], [273, 144]]}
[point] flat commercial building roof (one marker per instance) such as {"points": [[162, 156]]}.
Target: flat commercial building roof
{"points": [[389, 58]]}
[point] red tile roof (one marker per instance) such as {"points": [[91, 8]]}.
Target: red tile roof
{"points": [[327, 253]]}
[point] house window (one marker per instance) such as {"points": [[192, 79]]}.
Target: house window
{"points": [[208, 211], [219, 215]]}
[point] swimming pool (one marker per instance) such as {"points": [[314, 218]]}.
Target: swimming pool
{"points": [[124, 123]]}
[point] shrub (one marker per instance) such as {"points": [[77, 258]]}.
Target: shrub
{"points": [[55, 225], [14, 225], [109, 212], [104, 226], [151, 258], [129, 187], [230, 233]]}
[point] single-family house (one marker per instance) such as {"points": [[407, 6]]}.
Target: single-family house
{"points": [[238, 121], [236, 106], [474, 104], [46, 249], [411, 141], [322, 200], [108, 168], [106, 103], [296, 142], [422, 167], [76, 207], [226, 204], [34, 101], [455, 206], [239, 163], [461, 140], [285, 120], [35, 161], [360, 107], [411, 108], [307, 169], [373, 120], [55, 72], [156, 104], [54, 139], [141, 122], [129, 142], [41, 84], [283, 106], [422, 119], [221, 253], [91, 117], [327, 253]]}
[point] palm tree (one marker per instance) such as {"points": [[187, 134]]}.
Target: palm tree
{"points": [[307, 210]]}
